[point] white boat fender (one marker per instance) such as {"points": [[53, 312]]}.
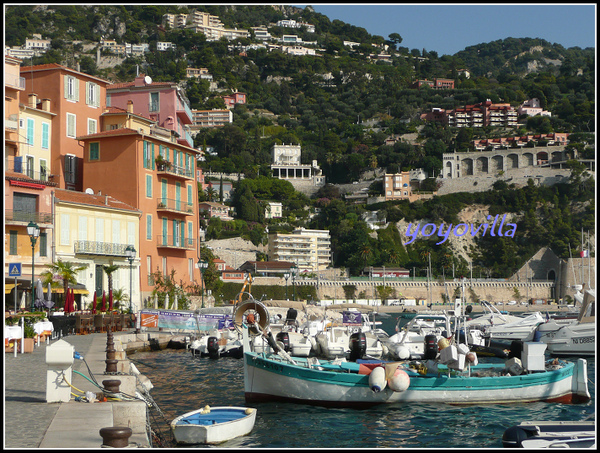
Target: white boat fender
{"points": [[399, 381], [472, 358], [377, 379], [205, 410]]}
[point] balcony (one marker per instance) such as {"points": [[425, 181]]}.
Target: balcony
{"points": [[176, 206], [175, 242], [14, 81], [100, 248], [18, 217], [175, 170], [18, 165]]}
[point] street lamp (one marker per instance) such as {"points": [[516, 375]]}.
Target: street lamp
{"points": [[130, 254], [202, 265], [33, 230], [294, 270], [286, 276]]}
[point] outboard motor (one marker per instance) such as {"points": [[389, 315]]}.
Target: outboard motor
{"points": [[212, 347], [358, 346], [516, 348], [290, 317], [285, 339], [431, 347]]}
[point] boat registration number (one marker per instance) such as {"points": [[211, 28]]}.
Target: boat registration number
{"points": [[583, 340]]}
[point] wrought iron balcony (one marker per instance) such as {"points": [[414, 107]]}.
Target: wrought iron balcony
{"points": [[175, 170], [100, 248], [168, 204], [175, 242], [13, 216]]}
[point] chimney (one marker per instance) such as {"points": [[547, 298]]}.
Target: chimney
{"points": [[106, 199], [33, 100], [129, 106], [46, 105], [139, 80]]}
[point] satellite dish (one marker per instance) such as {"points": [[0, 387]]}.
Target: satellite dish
{"points": [[89, 191], [147, 80]]}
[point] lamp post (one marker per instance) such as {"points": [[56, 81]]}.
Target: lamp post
{"points": [[286, 276], [130, 254], [202, 265], [33, 230], [294, 270]]}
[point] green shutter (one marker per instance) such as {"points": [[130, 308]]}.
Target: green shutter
{"points": [[13, 242], [45, 135], [149, 186], [152, 156], [43, 244], [145, 153], [149, 226]]}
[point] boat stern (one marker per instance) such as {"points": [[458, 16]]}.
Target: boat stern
{"points": [[580, 389]]}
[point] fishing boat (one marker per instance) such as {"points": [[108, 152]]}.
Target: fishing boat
{"points": [[451, 379], [548, 434], [213, 425]]}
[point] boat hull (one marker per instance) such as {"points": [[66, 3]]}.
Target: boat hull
{"points": [[274, 380], [573, 340], [219, 425]]}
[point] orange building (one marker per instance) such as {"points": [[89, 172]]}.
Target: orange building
{"points": [[77, 100], [142, 164]]}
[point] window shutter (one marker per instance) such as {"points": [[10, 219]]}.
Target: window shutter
{"points": [[30, 131], [76, 89], [152, 156], [145, 153], [64, 229], [148, 227], [66, 87], [45, 135], [88, 98], [96, 95]]}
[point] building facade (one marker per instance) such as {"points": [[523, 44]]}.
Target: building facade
{"points": [[286, 165], [77, 100], [310, 250], [94, 230], [154, 174], [163, 102]]}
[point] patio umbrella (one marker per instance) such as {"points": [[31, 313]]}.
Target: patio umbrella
{"points": [[110, 300], [73, 303], [94, 303], [39, 294], [103, 301], [49, 304], [67, 301]]}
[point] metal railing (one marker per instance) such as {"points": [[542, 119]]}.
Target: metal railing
{"points": [[176, 170], [170, 241], [174, 205], [27, 216], [100, 248]]}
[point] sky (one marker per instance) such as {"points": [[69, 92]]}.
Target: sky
{"points": [[448, 29]]}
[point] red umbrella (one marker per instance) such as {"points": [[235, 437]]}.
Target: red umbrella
{"points": [[94, 303], [110, 300], [73, 300], [67, 301], [103, 301]]}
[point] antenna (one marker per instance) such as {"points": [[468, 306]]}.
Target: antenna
{"points": [[147, 80], [89, 191]]}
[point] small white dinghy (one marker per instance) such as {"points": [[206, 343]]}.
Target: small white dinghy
{"points": [[213, 425]]}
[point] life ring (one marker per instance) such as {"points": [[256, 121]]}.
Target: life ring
{"points": [[256, 315]]}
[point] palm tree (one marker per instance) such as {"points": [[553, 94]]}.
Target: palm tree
{"points": [[62, 270], [109, 270], [119, 296]]}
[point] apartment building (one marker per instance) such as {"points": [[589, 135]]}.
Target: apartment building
{"points": [[147, 167], [397, 186], [210, 209], [162, 46], [77, 101], [532, 107], [477, 115], [231, 100], [162, 102], [436, 83], [210, 118], [286, 165], [309, 249], [274, 210], [94, 230]]}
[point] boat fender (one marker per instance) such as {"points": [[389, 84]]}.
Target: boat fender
{"points": [[399, 381], [377, 379], [472, 358], [248, 411], [205, 410], [443, 343]]}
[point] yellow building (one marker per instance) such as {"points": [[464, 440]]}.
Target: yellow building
{"points": [[310, 250], [95, 230]]}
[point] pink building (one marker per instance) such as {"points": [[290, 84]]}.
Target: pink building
{"points": [[232, 99], [163, 102]]}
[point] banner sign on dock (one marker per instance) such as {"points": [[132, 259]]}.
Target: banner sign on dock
{"points": [[184, 320]]}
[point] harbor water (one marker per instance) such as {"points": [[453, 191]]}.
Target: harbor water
{"points": [[183, 383]]}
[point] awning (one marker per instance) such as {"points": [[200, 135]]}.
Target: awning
{"points": [[30, 185], [8, 287], [77, 289]]}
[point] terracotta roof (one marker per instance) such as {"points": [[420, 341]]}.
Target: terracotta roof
{"points": [[9, 174], [116, 86], [113, 132], [105, 201], [51, 66]]}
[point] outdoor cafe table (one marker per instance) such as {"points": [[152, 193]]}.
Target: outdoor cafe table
{"points": [[43, 328]]}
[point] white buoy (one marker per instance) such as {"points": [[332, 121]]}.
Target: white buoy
{"points": [[377, 379], [399, 381]]}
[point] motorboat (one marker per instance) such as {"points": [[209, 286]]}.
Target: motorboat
{"points": [[455, 377], [551, 434], [419, 338], [499, 326], [579, 337], [213, 425], [217, 344]]}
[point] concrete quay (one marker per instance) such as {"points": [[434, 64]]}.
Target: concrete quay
{"points": [[31, 422]]}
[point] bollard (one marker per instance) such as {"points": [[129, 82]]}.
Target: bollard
{"points": [[111, 366], [116, 436], [112, 385]]}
